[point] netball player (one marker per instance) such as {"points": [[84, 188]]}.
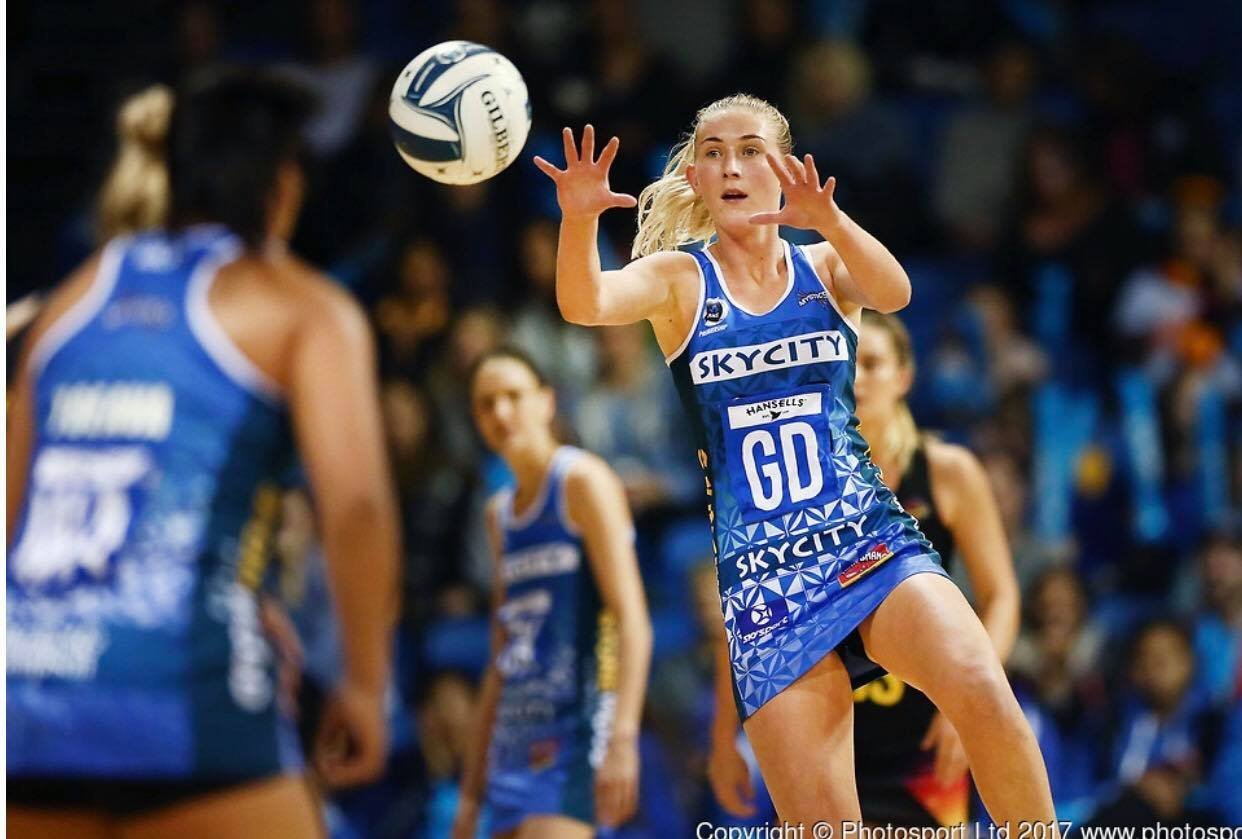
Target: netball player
{"points": [[165, 385], [556, 749], [823, 576], [910, 765]]}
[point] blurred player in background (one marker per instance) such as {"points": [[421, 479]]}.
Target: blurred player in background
{"points": [[162, 390], [824, 578], [557, 741], [911, 767]]}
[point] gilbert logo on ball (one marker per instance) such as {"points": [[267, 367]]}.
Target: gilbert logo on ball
{"points": [[459, 113]]}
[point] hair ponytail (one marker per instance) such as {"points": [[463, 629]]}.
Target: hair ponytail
{"points": [[136, 194], [670, 214]]}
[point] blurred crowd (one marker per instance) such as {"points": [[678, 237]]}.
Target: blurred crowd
{"points": [[1062, 181]]}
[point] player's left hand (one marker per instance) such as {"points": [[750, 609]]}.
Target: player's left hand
{"points": [[352, 744], [951, 763], [616, 782], [808, 205]]}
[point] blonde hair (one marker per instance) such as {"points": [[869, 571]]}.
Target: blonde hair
{"points": [[669, 213], [136, 194], [902, 437]]}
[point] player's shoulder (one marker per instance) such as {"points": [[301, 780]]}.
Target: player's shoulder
{"points": [[587, 475], [673, 266], [952, 465], [60, 300], [320, 302], [823, 256]]}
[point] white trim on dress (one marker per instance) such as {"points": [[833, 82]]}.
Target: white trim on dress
{"points": [[831, 297], [81, 313], [724, 285], [211, 335], [698, 313]]}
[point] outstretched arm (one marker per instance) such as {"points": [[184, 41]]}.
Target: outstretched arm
{"points": [[727, 771], [598, 508], [586, 294], [336, 419], [863, 271]]}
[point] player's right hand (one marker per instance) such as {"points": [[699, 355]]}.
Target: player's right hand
{"points": [[582, 186], [730, 779], [352, 745]]}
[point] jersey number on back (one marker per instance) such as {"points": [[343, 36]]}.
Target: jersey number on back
{"points": [[79, 512]]}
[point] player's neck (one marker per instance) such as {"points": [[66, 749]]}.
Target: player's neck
{"points": [[755, 254], [530, 467], [875, 432]]}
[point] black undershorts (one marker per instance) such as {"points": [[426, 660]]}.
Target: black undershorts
{"points": [[109, 796]]}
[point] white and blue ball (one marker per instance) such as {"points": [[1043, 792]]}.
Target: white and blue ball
{"points": [[459, 113]]}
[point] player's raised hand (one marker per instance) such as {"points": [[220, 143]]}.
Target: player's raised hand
{"points": [[582, 186], [808, 205]]}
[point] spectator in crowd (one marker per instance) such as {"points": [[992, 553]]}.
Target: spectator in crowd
{"points": [[435, 494], [417, 312], [631, 418], [1067, 223], [1218, 624], [472, 334], [337, 71], [565, 351], [979, 152], [1164, 740], [864, 143], [1059, 650]]}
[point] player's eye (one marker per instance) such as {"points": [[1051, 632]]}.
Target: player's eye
{"points": [[750, 151], [713, 152]]}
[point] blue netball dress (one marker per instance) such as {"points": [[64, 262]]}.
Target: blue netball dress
{"points": [[808, 540], [134, 644], [558, 664]]}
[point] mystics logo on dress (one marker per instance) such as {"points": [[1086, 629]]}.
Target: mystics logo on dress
{"points": [[760, 620], [871, 559]]}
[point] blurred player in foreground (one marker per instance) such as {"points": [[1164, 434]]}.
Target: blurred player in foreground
{"points": [[557, 742], [163, 389]]}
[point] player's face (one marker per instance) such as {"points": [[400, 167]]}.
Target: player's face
{"points": [[880, 380], [730, 172], [511, 409]]}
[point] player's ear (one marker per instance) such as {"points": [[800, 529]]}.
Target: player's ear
{"points": [[692, 177], [549, 399], [906, 379]]}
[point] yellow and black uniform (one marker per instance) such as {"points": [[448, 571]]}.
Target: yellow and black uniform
{"points": [[896, 782]]}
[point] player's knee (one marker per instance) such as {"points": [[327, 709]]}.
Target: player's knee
{"points": [[977, 690]]}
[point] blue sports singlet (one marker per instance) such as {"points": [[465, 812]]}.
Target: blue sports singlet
{"points": [[559, 664], [134, 643], [808, 539]]}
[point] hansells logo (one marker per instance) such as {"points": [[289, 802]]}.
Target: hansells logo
{"points": [[771, 410], [715, 309], [870, 561], [725, 363]]}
